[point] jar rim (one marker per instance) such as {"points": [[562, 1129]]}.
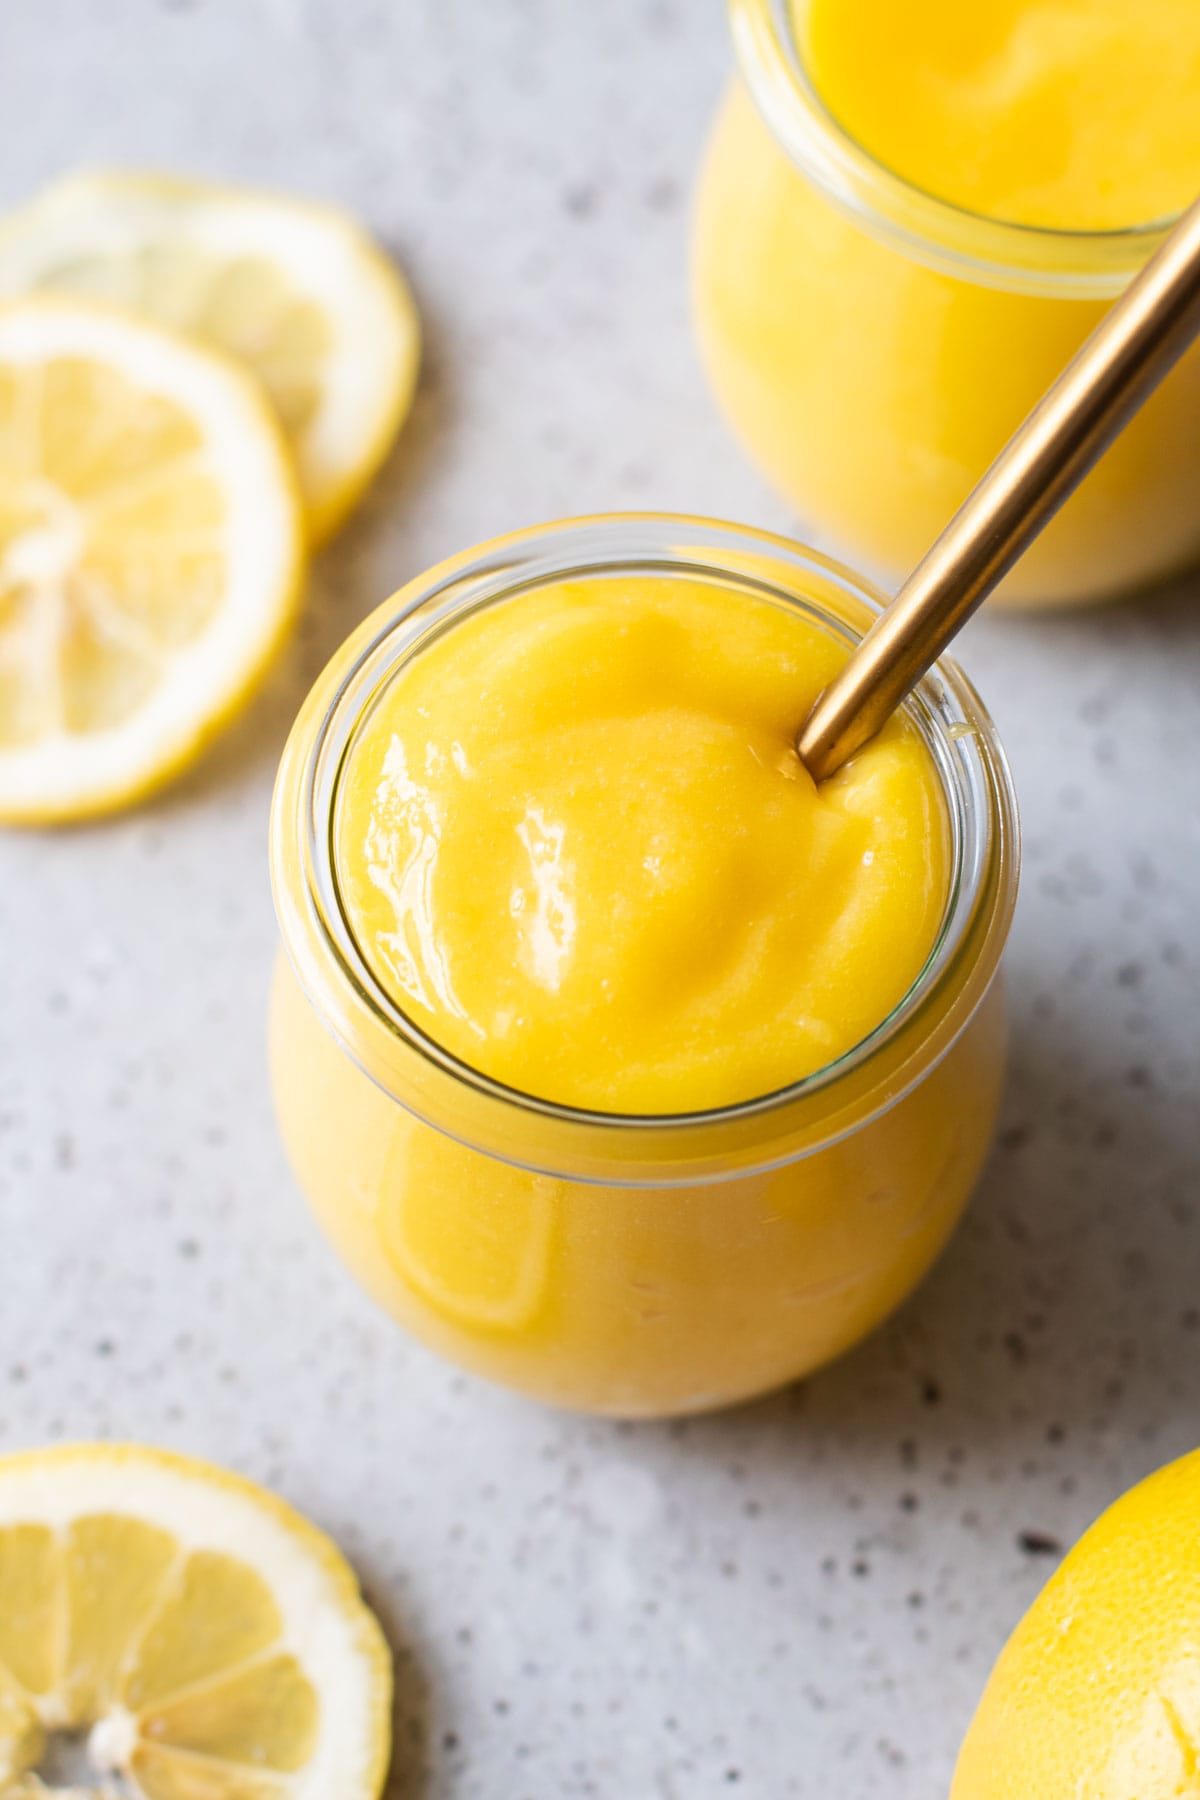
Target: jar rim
{"points": [[318, 934], [1052, 261]]}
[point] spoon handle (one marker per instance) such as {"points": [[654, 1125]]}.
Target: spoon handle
{"points": [[1138, 340]]}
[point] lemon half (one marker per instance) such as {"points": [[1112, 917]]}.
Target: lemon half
{"points": [[1096, 1695], [182, 1633], [297, 291], [151, 551]]}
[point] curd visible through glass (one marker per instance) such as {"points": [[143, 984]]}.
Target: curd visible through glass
{"points": [[875, 372], [576, 846], [1082, 115], [568, 837]]}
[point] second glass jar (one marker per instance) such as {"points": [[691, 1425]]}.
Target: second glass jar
{"points": [[874, 347]]}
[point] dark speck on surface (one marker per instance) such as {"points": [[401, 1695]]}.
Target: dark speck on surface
{"points": [[581, 200], [1039, 1543], [663, 194], [1015, 1137]]}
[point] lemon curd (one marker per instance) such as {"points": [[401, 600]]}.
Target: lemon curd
{"points": [[619, 1061], [1079, 115], [908, 221], [576, 843]]}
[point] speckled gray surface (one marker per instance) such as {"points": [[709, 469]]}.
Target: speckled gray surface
{"points": [[799, 1598]]}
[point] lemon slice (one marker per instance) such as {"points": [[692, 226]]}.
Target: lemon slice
{"points": [[151, 548], [482, 1260], [296, 291], [171, 1632]]}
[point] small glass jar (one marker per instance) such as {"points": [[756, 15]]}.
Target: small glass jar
{"points": [[874, 347], [622, 1264]]}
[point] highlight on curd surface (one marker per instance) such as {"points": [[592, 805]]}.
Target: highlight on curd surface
{"points": [[577, 846]]}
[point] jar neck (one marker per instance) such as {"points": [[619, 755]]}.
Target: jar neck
{"points": [[422, 1076], [1068, 265]]}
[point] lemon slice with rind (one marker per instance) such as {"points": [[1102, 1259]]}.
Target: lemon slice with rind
{"points": [[176, 1633], [297, 291], [151, 551], [483, 1261]]}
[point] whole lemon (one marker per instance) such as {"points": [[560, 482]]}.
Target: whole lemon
{"points": [[1096, 1696]]}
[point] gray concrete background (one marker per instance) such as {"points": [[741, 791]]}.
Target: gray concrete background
{"points": [[799, 1598]]}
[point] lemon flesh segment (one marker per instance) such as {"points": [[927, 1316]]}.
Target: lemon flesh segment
{"points": [[163, 1775], [265, 1715], [151, 549], [297, 292], [22, 1737], [208, 1642], [30, 1605], [114, 1570]]}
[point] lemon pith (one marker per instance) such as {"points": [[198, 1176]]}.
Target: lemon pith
{"points": [[209, 1640], [296, 291], [1097, 1692], [151, 552]]}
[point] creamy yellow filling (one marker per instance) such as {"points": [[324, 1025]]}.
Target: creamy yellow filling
{"points": [[1076, 114], [576, 844]]}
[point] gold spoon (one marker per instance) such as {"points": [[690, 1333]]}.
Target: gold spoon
{"points": [[1139, 339]]}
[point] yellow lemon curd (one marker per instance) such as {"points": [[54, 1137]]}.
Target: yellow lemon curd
{"points": [[874, 355], [1097, 1692], [1081, 115], [577, 845], [574, 848]]}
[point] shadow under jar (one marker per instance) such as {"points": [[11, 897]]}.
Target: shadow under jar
{"points": [[874, 346], [629, 1264]]}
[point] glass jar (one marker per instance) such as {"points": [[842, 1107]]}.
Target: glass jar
{"points": [[621, 1264], [874, 347]]}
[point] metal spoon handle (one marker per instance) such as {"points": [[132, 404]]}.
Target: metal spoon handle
{"points": [[1139, 339]]}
